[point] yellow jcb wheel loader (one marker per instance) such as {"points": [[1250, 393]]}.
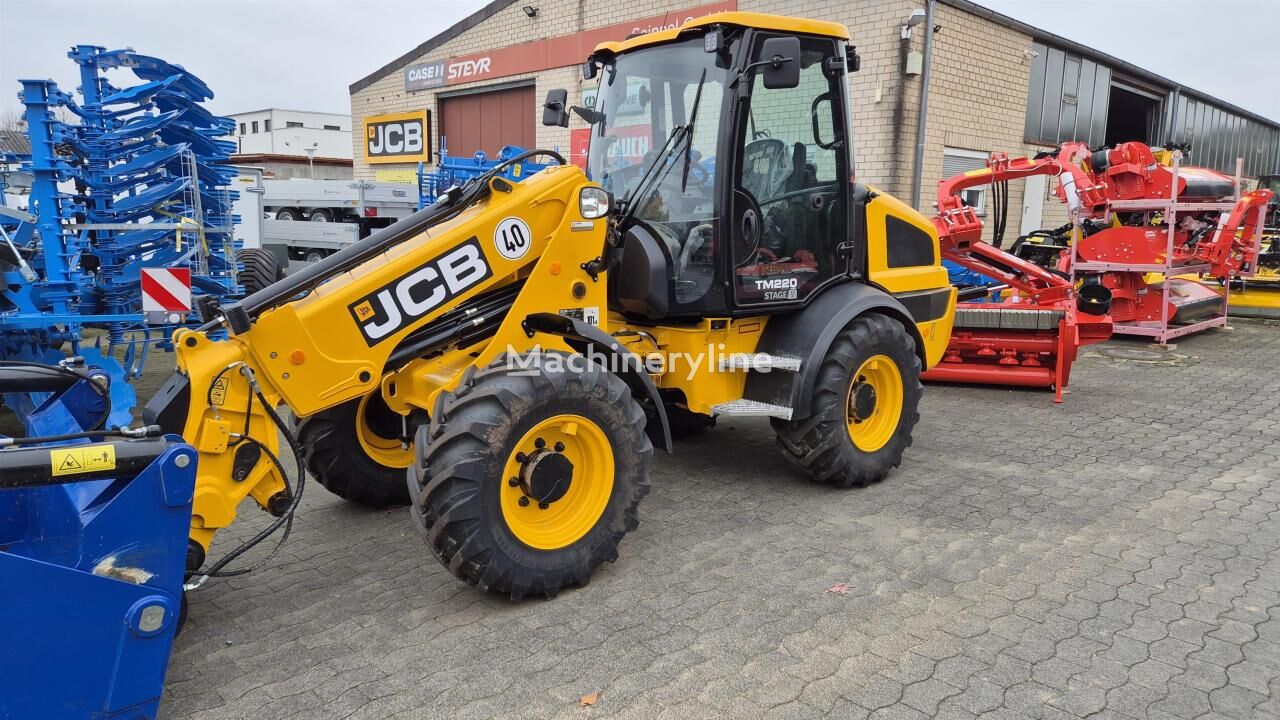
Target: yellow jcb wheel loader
{"points": [[522, 348]]}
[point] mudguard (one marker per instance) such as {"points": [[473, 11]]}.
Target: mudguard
{"points": [[808, 334], [579, 335]]}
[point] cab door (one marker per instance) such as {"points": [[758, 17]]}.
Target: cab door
{"points": [[789, 211]]}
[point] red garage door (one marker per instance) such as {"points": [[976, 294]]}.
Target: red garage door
{"points": [[487, 121]]}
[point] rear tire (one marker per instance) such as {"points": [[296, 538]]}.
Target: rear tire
{"points": [[320, 215], [345, 466], [823, 446], [480, 438], [261, 268]]}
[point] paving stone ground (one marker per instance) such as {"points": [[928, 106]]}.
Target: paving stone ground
{"points": [[1117, 556]]}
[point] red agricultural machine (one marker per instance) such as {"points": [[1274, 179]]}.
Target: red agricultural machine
{"points": [[1134, 211]]}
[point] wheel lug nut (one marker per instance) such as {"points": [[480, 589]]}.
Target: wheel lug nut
{"points": [[539, 443], [521, 457], [543, 506], [524, 501], [514, 482], [559, 447]]}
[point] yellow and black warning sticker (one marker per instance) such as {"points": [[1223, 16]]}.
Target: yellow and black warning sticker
{"points": [[219, 394], [82, 459]]}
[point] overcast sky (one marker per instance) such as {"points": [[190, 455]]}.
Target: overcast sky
{"points": [[302, 54]]}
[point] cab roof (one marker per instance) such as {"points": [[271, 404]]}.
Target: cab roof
{"points": [[762, 21]]}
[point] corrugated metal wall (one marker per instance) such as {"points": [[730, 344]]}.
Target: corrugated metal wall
{"points": [[1068, 100], [1217, 137]]}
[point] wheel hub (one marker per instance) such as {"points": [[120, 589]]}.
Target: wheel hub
{"points": [[559, 478], [545, 476], [874, 405], [862, 401]]}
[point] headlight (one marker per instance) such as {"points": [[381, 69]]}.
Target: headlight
{"points": [[594, 202]]}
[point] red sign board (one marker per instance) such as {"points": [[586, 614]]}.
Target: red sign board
{"points": [[628, 149], [561, 51]]}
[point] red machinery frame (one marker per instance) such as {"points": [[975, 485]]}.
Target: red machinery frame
{"points": [[1031, 338]]}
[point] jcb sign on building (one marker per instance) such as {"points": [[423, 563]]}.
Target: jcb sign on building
{"points": [[398, 138]]}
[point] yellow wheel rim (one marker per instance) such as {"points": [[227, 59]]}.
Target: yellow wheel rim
{"points": [[874, 405], [567, 459], [387, 452]]}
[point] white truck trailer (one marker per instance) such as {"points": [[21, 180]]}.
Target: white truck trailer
{"points": [[316, 218], [369, 204]]}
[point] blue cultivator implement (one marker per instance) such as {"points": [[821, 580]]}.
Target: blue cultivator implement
{"points": [[138, 182], [95, 517], [457, 170]]}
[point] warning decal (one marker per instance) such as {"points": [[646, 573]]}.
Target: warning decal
{"points": [[219, 393], [82, 459]]}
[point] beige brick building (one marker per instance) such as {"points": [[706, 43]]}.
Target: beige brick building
{"points": [[996, 85]]}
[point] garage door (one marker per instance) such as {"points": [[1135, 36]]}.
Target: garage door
{"points": [[487, 121]]}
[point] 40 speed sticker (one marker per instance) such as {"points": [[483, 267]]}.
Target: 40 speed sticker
{"points": [[512, 238]]}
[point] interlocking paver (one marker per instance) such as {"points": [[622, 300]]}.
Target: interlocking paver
{"points": [[1114, 556]]}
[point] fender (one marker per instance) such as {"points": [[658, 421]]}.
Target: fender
{"points": [[809, 333], [579, 335]]}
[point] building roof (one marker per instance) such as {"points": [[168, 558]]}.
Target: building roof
{"points": [[246, 158], [1111, 61], [453, 31], [276, 109], [496, 6], [15, 142]]}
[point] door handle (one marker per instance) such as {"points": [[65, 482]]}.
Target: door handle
{"points": [[750, 225]]}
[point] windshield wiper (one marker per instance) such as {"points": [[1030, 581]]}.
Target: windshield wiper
{"points": [[693, 116], [657, 170]]}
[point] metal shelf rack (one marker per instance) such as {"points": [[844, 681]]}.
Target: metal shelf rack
{"points": [[1161, 331]]}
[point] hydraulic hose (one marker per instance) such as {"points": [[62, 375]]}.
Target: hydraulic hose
{"points": [[46, 369]]}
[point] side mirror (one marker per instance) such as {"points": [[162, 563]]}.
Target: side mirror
{"points": [[780, 58], [555, 111], [588, 70]]}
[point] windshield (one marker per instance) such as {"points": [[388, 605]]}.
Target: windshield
{"points": [[643, 95]]}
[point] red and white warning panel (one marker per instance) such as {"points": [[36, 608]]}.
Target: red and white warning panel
{"points": [[166, 294]]}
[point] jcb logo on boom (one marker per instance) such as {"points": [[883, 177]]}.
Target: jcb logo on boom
{"points": [[399, 303], [397, 138]]}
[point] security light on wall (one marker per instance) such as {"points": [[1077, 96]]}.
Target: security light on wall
{"points": [[916, 17], [530, 10]]}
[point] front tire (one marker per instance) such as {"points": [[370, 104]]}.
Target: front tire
{"points": [[503, 442], [354, 452], [865, 403]]}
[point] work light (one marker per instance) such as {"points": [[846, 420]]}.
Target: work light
{"points": [[594, 202]]}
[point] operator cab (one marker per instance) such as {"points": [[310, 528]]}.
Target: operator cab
{"points": [[726, 151]]}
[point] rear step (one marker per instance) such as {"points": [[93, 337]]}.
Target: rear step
{"points": [[759, 361], [755, 408]]}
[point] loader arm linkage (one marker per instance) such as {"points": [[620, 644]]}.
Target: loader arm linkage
{"points": [[404, 311]]}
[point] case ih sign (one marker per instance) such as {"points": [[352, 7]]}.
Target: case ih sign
{"points": [[561, 51], [398, 138]]}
